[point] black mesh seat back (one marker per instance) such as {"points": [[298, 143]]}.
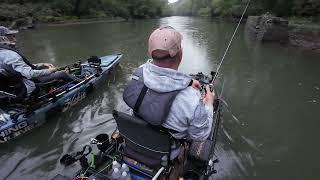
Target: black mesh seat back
{"points": [[143, 142], [5, 82], [12, 85]]}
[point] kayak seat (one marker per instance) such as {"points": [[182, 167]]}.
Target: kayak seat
{"points": [[12, 86], [143, 143]]}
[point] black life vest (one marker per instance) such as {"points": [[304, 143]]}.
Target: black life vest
{"points": [[12, 85], [12, 81], [151, 106]]}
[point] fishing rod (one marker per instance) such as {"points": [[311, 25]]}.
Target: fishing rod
{"points": [[7, 94], [231, 40], [61, 90], [217, 122]]}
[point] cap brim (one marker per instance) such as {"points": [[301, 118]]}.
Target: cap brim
{"points": [[13, 32]]}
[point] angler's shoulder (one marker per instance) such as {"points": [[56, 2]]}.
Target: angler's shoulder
{"points": [[8, 54]]}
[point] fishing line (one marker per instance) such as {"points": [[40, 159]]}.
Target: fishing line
{"points": [[214, 134], [230, 42], [224, 102]]}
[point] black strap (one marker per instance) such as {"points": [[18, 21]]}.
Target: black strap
{"points": [[162, 129], [140, 99], [15, 50], [161, 58]]}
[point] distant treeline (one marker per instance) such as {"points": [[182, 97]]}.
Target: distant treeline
{"points": [[59, 10], [301, 8], [42, 9]]}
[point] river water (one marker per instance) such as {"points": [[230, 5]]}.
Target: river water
{"points": [[271, 97]]}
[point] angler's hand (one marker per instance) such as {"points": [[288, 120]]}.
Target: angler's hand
{"points": [[209, 97], [196, 84], [52, 70], [48, 65]]}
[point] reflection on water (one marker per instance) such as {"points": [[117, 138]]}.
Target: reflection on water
{"points": [[270, 94], [194, 44]]}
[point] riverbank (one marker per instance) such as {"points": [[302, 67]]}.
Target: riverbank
{"points": [[67, 22], [299, 32], [304, 33]]}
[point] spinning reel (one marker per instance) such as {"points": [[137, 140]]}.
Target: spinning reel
{"points": [[204, 80]]}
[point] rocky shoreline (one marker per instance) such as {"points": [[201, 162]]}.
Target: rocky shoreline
{"points": [[304, 37], [268, 28]]}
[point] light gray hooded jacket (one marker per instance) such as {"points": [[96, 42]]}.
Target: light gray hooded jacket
{"points": [[188, 115], [13, 60]]}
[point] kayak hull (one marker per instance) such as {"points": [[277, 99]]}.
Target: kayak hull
{"points": [[12, 128]]}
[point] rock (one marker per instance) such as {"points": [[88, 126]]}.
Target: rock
{"points": [[22, 23], [303, 37], [268, 28]]}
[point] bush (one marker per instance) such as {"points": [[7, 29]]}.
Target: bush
{"points": [[234, 8], [64, 7], [52, 10], [204, 11]]}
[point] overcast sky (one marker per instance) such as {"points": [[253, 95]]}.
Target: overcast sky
{"points": [[172, 1]]}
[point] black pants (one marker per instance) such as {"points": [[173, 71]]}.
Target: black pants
{"points": [[61, 75]]}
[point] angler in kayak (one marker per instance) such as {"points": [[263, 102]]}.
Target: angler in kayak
{"points": [[166, 98], [172, 130], [14, 67]]}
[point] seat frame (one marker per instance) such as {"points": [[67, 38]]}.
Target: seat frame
{"points": [[130, 141]]}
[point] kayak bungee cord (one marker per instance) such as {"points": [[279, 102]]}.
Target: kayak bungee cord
{"points": [[230, 42]]}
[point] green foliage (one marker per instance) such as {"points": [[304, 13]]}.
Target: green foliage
{"points": [[63, 6], [204, 11], [234, 8], [85, 8], [306, 7], [226, 7], [53, 10]]}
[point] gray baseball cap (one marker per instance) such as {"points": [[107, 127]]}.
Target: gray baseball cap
{"points": [[6, 31]]}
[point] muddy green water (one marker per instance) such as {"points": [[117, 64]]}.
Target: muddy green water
{"points": [[271, 92]]}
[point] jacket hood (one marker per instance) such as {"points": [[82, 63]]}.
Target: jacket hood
{"points": [[164, 79]]}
